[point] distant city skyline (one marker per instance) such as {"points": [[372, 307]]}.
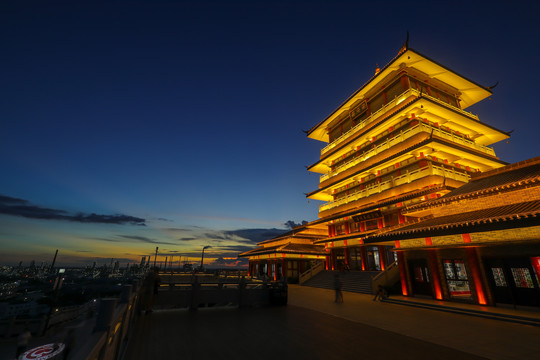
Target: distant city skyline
{"points": [[130, 125]]}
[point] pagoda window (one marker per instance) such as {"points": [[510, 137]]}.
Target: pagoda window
{"points": [[340, 229], [391, 219], [394, 90], [376, 103], [372, 224], [346, 125], [354, 226]]}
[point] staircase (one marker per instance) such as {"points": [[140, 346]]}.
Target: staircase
{"points": [[354, 281]]}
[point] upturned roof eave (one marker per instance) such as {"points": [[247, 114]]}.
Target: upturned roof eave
{"points": [[384, 72]]}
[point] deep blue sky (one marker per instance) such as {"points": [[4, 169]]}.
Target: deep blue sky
{"points": [[189, 114]]}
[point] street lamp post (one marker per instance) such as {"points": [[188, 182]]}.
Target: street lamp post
{"points": [[202, 256]]}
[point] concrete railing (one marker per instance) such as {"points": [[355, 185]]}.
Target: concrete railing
{"points": [[386, 278], [404, 135], [406, 178], [241, 293], [314, 270]]}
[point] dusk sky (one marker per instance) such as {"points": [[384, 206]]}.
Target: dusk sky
{"points": [[130, 125]]}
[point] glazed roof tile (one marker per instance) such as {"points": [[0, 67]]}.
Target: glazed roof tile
{"points": [[507, 216], [507, 178]]}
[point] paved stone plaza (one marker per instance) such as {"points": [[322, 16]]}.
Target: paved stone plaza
{"points": [[312, 326]]}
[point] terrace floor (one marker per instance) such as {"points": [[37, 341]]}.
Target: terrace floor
{"points": [[313, 326]]}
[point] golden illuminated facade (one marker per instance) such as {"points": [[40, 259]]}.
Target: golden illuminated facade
{"points": [[411, 188], [287, 255], [401, 139]]}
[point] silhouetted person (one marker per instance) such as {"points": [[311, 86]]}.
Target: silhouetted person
{"points": [[380, 294], [337, 287], [22, 342]]}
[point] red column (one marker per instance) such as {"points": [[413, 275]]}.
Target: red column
{"points": [[382, 257], [333, 257], [283, 268], [404, 82], [363, 256], [476, 275], [269, 268], [346, 253], [347, 228], [327, 262], [402, 273], [435, 274]]}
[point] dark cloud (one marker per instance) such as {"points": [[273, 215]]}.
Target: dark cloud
{"points": [[163, 219], [82, 251], [20, 207], [221, 261], [255, 235], [291, 224], [218, 236], [187, 239], [145, 239], [234, 248], [103, 239], [190, 228]]}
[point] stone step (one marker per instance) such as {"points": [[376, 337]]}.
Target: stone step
{"points": [[354, 281]]}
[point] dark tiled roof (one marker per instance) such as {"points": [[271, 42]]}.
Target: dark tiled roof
{"points": [[507, 178], [345, 237], [501, 217]]}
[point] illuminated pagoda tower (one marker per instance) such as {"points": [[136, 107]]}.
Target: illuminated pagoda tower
{"points": [[403, 138]]}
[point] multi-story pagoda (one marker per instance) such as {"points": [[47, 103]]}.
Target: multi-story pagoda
{"points": [[404, 137]]}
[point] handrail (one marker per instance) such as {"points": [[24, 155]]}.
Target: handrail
{"points": [[308, 274], [387, 277], [403, 135], [381, 274], [396, 181], [363, 123], [396, 100]]}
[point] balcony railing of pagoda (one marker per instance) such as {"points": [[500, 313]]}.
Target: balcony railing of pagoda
{"points": [[398, 99], [406, 134], [406, 178]]}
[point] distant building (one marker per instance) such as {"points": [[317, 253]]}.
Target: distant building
{"points": [[403, 140]]}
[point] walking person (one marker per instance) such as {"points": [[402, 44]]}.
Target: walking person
{"points": [[380, 294], [337, 287]]}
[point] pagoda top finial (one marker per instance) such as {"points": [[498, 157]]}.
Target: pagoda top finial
{"points": [[377, 69]]}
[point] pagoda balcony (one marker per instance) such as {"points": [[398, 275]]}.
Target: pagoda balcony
{"points": [[406, 178], [402, 136], [393, 103]]}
